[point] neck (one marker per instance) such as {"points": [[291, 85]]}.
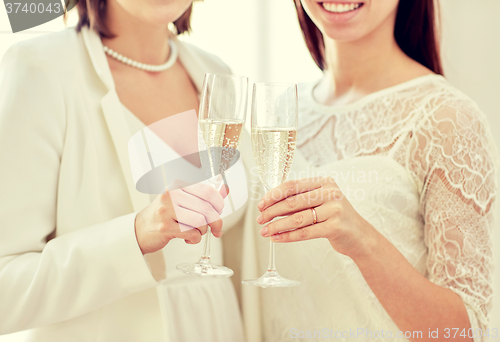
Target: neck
{"points": [[357, 68], [136, 39]]}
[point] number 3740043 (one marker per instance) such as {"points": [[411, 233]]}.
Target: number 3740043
{"points": [[18, 7], [454, 332]]}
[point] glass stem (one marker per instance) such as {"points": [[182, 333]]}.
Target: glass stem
{"points": [[272, 266], [205, 255], [206, 245]]}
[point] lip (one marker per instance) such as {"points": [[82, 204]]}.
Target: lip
{"points": [[340, 17]]}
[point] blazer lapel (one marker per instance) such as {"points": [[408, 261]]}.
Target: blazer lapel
{"points": [[193, 65], [114, 115]]}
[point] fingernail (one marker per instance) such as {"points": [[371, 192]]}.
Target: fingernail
{"points": [[225, 191], [263, 231], [275, 237], [259, 219], [261, 204]]}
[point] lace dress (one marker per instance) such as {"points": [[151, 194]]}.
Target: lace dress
{"points": [[417, 161]]}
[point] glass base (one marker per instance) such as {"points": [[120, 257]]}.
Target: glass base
{"points": [[204, 268], [271, 279]]}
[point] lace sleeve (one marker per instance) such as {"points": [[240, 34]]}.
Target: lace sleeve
{"points": [[455, 160]]}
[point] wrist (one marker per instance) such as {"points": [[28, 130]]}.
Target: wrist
{"points": [[150, 240], [370, 242]]}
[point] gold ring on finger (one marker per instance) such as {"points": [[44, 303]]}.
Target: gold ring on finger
{"points": [[315, 217]]}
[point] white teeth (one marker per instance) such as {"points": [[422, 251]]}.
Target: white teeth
{"points": [[340, 8]]}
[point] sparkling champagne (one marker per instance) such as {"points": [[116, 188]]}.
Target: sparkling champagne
{"points": [[273, 150], [220, 133]]}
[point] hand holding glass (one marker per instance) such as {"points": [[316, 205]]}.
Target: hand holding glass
{"points": [[221, 121], [274, 130]]}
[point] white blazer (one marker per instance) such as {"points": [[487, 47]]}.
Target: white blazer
{"points": [[70, 265]]}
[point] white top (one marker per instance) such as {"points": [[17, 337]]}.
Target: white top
{"points": [[205, 309], [417, 161]]}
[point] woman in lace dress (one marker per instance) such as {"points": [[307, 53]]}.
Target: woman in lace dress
{"points": [[397, 167]]}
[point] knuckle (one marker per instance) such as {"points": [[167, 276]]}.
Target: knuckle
{"points": [[264, 216], [292, 185], [298, 218], [328, 188], [203, 229], [328, 192], [194, 236], [303, 233], [206, 208], [216, 229], [219, 204], [291, 202], [161, 210], [284, 236], [193, 233], [337, 195]]}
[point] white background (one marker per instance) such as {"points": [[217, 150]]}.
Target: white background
{"points": [[262, 39]]}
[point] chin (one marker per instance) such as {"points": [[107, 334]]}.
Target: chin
{"points": [[164, 13], [159, 20], [343, 34], [342, 20]]}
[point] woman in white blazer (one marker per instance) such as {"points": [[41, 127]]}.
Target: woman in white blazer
{"points": [[72, 263]]}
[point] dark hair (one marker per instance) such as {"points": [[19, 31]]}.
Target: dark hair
{"points": [[92, 13], [415, 31]]}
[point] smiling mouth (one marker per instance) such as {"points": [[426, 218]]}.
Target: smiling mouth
{"points": [[341, 8]]}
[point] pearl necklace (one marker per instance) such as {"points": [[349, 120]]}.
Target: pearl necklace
{"points": [[147, 67]]}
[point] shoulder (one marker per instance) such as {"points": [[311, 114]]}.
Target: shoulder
{"points": [[450, 111], [211, 62], [455, 142], [52, 53], [457, 133], [440, 98]]}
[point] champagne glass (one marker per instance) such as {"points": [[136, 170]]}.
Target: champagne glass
{"points": [[274, 130], [221, 121]]}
